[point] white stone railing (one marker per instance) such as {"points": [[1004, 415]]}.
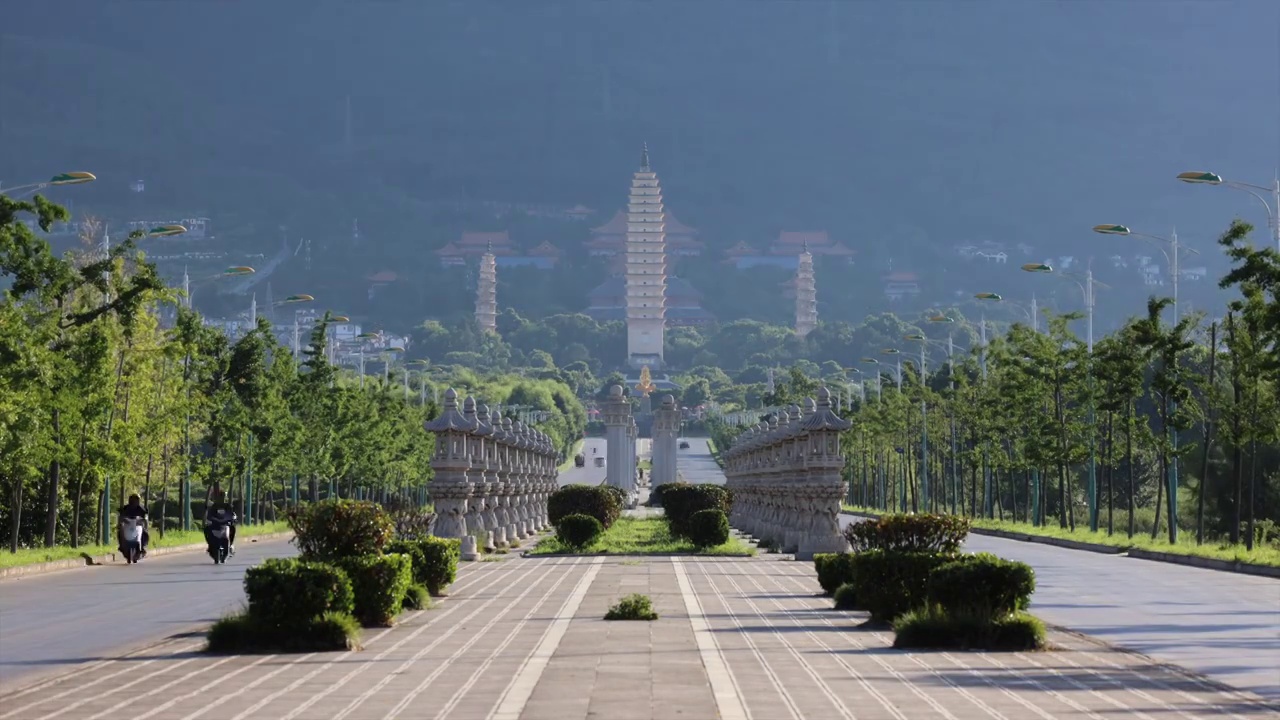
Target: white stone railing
{"points": [[785, 479], [492, 476]]}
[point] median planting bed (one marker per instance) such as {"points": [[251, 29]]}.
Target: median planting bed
{"points": [[907, 571], [356, 567]]}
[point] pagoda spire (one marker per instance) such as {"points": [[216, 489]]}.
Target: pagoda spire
{"points": [[646, 267], [644, 158], [487, 292], [806, 295]]}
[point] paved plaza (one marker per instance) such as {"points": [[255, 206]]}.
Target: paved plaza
{"points": [[737, 639]]}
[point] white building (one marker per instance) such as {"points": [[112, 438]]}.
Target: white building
{"points": [[646, 268]]}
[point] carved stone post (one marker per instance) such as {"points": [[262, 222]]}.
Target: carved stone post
{"points": [[824, 490], [511, 489], [480, 506], [450, 489], [666, 431], [497, 454], [546, 481]]}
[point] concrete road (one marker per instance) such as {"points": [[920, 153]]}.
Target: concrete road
{"points": [[695, 465], [1223, 625], [589, 475], [50, 623]]}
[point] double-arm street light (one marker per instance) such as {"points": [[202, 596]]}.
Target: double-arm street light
{"points": [[1199, 177]]}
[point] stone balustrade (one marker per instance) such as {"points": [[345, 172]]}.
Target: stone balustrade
{"points": [[492, 476], [785, 479]]}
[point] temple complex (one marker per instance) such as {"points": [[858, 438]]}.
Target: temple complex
{"points": [[806, 295], [608, 301], [646, 269], [487, 293]]}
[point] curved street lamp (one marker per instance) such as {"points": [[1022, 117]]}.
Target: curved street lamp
{"points": [[1201, 177], [1171, 260], [66, 178]]}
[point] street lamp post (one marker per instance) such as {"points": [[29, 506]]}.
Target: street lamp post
{"points": [[988, 506], [1196, 177], [67, 178], [924, 423], [951, 373]]}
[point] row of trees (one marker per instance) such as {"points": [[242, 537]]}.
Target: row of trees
{"points": [[109, 386], [1032, 426]]}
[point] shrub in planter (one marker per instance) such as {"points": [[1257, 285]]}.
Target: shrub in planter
{"points": [[655, 493], [578, 531], [982, 587], [244, 633], [292, 592], [680, 502], [435, 560], [416, 598], [337, 529], [592, 500], [888, 584], [909, 533], [931, 627], [380, 583], [709, 528], [846, 597], [834, 570]]}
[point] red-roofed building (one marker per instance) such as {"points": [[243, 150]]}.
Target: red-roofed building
{"points": [[610, 239], [900, 285]]}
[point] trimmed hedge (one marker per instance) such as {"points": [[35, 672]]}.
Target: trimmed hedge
{"points": [[709, 528], [889, 584], [291, 592], [618, 494], [982, 587], [594, 500], [933, 628], [834, 570], [909, 533], [380, 583], [243, 633], [435, 560], [846, 597], [578, 531], [681, 501], [337, 529]]}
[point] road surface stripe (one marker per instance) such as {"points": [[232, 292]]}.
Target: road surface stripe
{"points": [[724, 687], [520, 689]]}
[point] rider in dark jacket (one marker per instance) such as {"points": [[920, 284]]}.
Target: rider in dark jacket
{"points": [[134, 510], [219, 510]]}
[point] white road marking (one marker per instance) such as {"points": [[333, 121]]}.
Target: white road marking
{"points": [[724, 686]]}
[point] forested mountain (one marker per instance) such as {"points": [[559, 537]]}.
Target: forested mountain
{"points": [[903, 129]]}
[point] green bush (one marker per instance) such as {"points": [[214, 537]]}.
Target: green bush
{"points": [[983, 587], [435, 560], [618, 493], [655, 493], [593, 500], [243, 633], [931, 627], [337, 529], [709, 528], [578, 531], [632, 607], [290, 591], [680, 502], [380, 583], [834, 570], [416, 598], [909, 533], [889, 584], [846, 597]]}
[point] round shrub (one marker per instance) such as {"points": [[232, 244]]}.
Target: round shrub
{"points": [[680, 502], [709, 528], [834, 570], [435, 560], [846, 597], [288, 591], [982, 586], [889, 584], [618, 493], [380, 583], [578, 531], [594, 500], [909, 533], [337, 529]]}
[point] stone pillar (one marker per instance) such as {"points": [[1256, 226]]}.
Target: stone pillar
{"points": [[666, 431], [479, 515], [511, 490], [546, 481], [497, 466], [451, 488], [521, 497], [617, 420], [823, 487]]}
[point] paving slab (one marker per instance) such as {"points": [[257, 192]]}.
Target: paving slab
{"points": [[738, 639]]}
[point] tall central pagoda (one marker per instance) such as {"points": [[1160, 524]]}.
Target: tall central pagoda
{"points": [[806, 295], [646, 269]]}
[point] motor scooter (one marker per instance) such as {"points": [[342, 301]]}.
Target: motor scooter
{"points": [[131, 538], [219, 541]]}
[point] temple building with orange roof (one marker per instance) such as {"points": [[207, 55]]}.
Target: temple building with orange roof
{"points": [[786, 250], [610, 240], [474, 245]]}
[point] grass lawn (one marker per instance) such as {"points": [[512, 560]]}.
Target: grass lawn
{"points": [[642, 536], [1260, 555], [31, 556]]}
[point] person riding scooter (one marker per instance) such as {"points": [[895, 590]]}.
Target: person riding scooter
{"points": [[220, 512], [134, 511]]}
